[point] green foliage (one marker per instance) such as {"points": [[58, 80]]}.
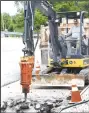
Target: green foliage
{"points": [[16, 22], [13, 23], [2, 25], [84, 6], [69, 6], [40, 19], [62, 6], [11, 28], [5, 21]]}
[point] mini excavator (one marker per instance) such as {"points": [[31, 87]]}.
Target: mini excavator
{"points": [[75, 65]]}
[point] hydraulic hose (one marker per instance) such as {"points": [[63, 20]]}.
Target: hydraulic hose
{"points": [[85, 101]]}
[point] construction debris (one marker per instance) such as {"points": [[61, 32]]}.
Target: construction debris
{"points": [[3, 106], [42, 101], [24, 106]]}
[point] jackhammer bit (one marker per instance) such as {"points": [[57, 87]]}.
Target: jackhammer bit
{"points": [[25, 95], [26, 66], [25, 91]]}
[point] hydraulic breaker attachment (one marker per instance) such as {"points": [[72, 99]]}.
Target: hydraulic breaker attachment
{"points": [[26, 66]]}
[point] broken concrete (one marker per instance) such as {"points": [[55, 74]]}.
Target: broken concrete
{"points": [[3, 106], [39, 100], [24, 106]]}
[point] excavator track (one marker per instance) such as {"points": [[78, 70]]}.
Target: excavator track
{"points": [[85, 73]]}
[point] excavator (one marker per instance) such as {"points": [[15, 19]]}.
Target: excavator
{"points": [[72, 66]]}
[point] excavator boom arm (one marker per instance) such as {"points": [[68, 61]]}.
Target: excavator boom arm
{"points": [[47, 9]]}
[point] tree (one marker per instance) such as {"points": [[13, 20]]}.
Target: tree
{"points": [[5, 21], [2, 23], [18, 19], [84, 5], [11, 27], [40, 19], [71, 6]]}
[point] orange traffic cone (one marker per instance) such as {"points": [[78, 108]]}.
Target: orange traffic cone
{"points": [[38, 70], [75, 94]]}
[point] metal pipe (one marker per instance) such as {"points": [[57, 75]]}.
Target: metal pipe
{"points": [[66, 24], [80, 34], [88, 46], [81, 25]]}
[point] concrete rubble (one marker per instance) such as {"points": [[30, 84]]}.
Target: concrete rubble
{"points": [[40, 100]]}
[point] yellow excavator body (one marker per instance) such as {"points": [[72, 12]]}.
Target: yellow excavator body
{"points": [[73, 62]]}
